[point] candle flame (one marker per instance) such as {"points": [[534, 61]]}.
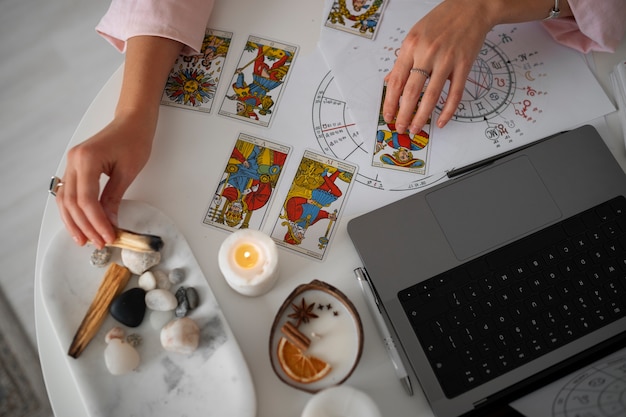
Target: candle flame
{"points": [[246, 255]]}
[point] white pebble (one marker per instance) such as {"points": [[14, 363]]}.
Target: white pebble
{"points": [[161, 300], [158, 319], [120, 357], [139, 262], [180, 336], [115, 333], [147, 281], [162, 281]]}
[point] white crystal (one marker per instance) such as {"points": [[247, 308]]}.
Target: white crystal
{"points": [[120, 357]]}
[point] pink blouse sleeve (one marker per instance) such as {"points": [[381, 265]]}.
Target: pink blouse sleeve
{"points": [[597, 25], [181, 20]]}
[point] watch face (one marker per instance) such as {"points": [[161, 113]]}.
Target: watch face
{"points": [[489, 86]]}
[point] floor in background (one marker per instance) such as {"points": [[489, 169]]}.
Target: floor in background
{"points": [[53, 66], [22, 391]]}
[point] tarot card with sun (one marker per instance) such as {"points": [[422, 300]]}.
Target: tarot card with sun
{"points": [[314, 203], [259, 80], [247, 184], [193, 81]]}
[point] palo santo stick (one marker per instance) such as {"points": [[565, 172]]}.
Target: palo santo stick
{"points": [[139, 242], [114, 281]]}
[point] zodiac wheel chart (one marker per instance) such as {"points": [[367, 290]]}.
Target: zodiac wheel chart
{"points": [[599, 391], [489, 88]]}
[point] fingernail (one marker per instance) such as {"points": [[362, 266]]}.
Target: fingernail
{"points": [[388, 117]]}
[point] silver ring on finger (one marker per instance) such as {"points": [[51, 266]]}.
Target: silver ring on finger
{"points": [[420, 71], [55, 184]]}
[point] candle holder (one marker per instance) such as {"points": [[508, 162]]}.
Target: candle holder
{"points": [[248, 260], [347, 401], [316, 339]]}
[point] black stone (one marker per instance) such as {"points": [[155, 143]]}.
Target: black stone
{"points": [[129, 307]]}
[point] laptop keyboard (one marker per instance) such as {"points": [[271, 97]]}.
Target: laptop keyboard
{"points": [[498, 312]]}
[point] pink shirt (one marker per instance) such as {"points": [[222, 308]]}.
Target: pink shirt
{"points": [[598, 24], [181, 20]]}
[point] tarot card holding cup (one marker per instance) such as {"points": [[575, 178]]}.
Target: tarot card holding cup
{"points": [[193, 81], [246, 187], [313, 204], [400, 151], [259, 80]]}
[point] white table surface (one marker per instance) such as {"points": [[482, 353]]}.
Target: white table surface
{"points": [[178, 180]]}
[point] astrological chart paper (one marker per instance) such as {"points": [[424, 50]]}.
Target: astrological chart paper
{"points": [[522, 87], [595, 391]]}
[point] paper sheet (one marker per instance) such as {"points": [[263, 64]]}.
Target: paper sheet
{"points": [[523, 87], [596, 391]]}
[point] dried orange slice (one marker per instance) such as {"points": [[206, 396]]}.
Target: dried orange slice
{"points": [[298, 366]]}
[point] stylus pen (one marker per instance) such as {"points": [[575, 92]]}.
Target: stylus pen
{"points": [[372, 303], [482, 163]]}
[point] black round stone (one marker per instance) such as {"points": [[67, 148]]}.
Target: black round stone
{"points": [[129, 307]]}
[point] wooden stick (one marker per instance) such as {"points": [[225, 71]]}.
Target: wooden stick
{"points": [[113, 283], [139, 242]]}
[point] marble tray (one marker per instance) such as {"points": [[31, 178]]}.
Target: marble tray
{"points": [[213, 381]]}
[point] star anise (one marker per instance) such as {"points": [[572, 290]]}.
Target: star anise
{"points": [[303, 313]]}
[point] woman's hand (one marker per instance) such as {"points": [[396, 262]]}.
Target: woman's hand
{"points": [[444, 44], [120, 151]]}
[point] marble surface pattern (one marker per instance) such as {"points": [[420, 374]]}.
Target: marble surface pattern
{"points": [[214, 380], [53, 66]]}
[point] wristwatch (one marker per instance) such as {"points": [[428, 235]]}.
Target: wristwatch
{"points": [[554, 12]]}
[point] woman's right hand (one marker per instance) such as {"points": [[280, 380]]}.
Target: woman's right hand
{"points": [[119, 151]]}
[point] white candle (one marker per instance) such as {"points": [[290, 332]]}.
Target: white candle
{"points": [[334, 336], [323, 324], [248, 260], [341, 401]]}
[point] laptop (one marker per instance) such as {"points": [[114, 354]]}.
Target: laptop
{"points": [[506, 276]]}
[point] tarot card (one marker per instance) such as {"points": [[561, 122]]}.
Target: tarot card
{"points": [[400, 151], [259, 80], [247, 185], [358, 17], [313, 205], [193, 81]]}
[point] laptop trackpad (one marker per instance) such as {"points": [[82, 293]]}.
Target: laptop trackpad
{"points": [[492, 207]]}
